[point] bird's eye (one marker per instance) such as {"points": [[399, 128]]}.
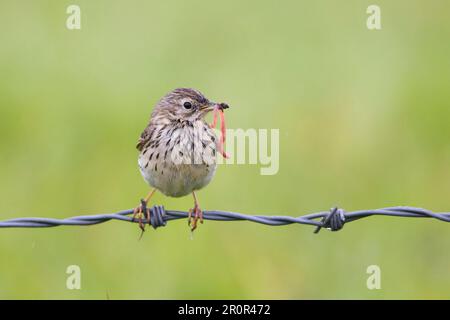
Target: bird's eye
{"points": [[187, 105]]}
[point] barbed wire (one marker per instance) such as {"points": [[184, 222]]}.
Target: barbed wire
{"points": [[333, 220]]}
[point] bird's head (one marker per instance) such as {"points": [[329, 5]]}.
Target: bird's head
{"points": [[184, 104]]}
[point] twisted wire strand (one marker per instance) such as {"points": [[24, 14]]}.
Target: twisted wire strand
{"points": [[333, 219]]}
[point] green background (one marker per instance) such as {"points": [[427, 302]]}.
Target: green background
{"points": [[363, 118]]}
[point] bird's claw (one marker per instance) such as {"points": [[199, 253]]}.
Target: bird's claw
{"points": [[139, 213], [195, 215]]}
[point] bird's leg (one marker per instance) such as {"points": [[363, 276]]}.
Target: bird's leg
{"points": [[142, 209], [197, 212]]}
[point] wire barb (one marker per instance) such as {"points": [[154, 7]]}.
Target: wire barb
{"points": [[333, 219], [157, 217]]}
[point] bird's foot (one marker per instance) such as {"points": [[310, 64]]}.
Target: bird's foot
{"points": [[139, 213], [195, 215]]}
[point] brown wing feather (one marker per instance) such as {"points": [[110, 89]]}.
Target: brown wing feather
{"points": [[143, 139]]}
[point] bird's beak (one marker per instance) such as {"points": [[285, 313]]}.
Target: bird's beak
{"points": [[207, 108], [214, 105]]}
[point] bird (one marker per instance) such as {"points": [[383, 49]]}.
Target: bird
{"points": [[178, 148]]}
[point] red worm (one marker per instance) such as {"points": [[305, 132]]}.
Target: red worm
{"points": [[223, 129], [214, 123], [218, 111]]}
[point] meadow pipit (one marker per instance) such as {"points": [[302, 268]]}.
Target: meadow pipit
{"points": [[178, 148]]}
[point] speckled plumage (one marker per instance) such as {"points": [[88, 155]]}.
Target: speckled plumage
{"points": [[178, 148]]}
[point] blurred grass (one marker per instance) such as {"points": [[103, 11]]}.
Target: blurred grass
{"points": [[363, 118]]}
